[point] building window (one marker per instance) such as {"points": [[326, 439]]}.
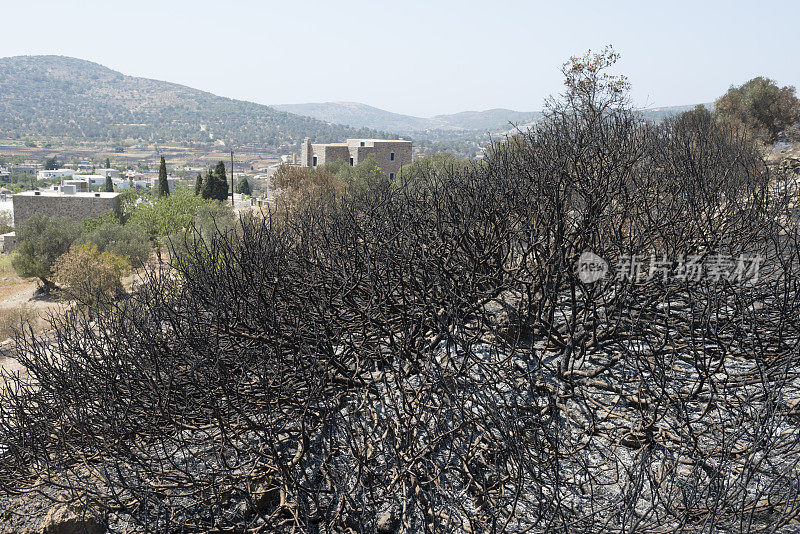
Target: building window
{"points": [[391, 156], [362, 143], [314, 161], [351, 162], [391, 176]]}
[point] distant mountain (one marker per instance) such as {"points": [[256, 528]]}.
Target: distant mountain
{"points": [[363, 116], [493, 120], [65, 97]]}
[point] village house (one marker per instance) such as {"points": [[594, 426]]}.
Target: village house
{"points": [[63, 201], [55, 174], [96, 180], [107, 173], [390, 155]]}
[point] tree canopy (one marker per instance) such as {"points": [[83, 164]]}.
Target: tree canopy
{"points": [[761, 106], [243, 187], [90, 276], [42, 240], [215, 184]]}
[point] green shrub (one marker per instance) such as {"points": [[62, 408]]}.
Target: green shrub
{"points": [[167, 215], [128, 241], [89, 276], [42, 240]]}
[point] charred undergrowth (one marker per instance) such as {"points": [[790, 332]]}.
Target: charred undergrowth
{"points": [[426, 358]]}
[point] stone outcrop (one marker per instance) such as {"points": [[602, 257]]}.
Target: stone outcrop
{"points": [[63, 519]]}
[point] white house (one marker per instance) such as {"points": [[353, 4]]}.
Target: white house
{"points": [[78, 183], [55, 174], [95, 179], [113, 173]]}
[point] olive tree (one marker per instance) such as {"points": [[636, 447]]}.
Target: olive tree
{"points": [[42, 240]]}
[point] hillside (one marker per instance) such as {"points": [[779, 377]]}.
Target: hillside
{"points": [[363, 116], [56, 96]]}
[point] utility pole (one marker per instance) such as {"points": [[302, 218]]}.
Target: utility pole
{"points": [[232, 186]]}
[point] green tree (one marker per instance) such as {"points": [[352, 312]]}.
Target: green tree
{"points": [[109, 186], [166, 215], [108, 163], [243, 187], [163, 183], [89, 276], [210, 219], [220, 182], [129, 241], [209, 185], [51, 163], [760, 106], [42, 240], [198, 184]]}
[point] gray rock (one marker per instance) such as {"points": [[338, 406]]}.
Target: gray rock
{"points": [[388, 520], [62, 519]]}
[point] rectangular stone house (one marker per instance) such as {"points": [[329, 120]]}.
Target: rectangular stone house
{"points": [[70, 204], [390, 155]]}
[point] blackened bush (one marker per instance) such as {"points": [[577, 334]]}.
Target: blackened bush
{"points": [[429, 353]]}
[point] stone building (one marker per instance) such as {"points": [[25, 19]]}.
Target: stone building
{"points": [[390, 155], [66, 203]]}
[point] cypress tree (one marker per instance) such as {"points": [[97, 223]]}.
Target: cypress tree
{"points": [[109, 187], [208, 185], [108, 163], [163, 184], [198, 185], [220, 182]]}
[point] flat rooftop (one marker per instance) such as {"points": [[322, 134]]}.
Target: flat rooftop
{"points": [[52, 193], [351, 142], [381, 140]]}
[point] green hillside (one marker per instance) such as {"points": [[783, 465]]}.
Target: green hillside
{"points": [[62, 97]]}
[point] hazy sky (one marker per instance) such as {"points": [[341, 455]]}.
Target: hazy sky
{"points": [[413, 56]]}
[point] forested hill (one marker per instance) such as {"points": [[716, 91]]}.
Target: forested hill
{"points": [[56, 96]]}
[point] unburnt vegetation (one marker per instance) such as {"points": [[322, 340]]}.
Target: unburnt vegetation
{"points": [[425, 358]]}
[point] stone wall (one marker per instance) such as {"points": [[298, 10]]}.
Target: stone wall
{"points": [[9, 241], [305, 154], [331, 153], [382, 150], [76, 207]]}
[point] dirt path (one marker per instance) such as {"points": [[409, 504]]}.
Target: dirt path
{"points": [[16, 305]]}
